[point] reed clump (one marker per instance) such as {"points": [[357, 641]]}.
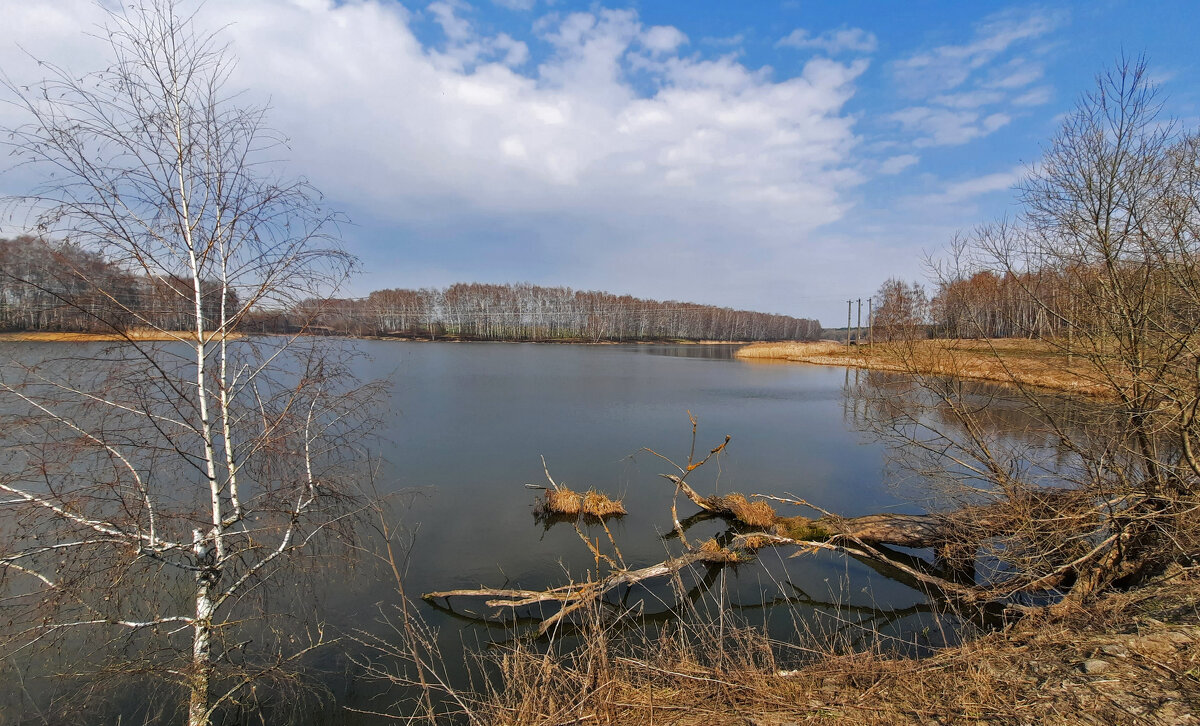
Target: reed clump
{"points": [[591, 503], [755, 514], [596, 504]]}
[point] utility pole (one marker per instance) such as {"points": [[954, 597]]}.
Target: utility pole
{"points": [[849, 307], [870, 322], [858, 327]]}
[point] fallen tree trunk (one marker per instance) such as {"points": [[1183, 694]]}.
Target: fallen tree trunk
{"points": [[899, 530], [957, 532], [576, 595]]}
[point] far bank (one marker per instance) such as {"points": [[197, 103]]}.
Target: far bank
{"points": [[1010, 360]]}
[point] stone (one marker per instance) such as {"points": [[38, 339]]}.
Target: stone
{"points": [[1092, 666]]}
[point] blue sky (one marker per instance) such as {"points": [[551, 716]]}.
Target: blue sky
{"points": [[778, 156]]}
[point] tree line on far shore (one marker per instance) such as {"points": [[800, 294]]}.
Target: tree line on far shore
{"points": [[47, 286], [1038, 302]]}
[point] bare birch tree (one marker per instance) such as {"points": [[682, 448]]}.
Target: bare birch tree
{"points": [[152, 491]]}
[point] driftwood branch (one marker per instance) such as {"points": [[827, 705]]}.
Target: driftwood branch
{"points": [[574, 596]]}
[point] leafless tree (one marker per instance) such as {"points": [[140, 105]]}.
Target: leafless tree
{"points": [[900, 310], [1100, 268], [153, 491]]}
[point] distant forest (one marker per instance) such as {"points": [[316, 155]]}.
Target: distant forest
{"points": [[60, 287]]}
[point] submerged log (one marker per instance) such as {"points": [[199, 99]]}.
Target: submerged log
{"points": [[954, 535], [898, 530]]}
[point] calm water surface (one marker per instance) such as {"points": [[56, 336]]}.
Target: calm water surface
{"points": [[464, 426], [467, 423]]}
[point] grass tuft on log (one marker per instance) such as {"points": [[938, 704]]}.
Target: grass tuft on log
{"points": [[568, 502]]}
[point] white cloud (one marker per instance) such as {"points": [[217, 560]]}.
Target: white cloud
{"points": [[946, 127], [631, 186], [1034, 97], [662, 39], [969, 99], [1017, 73], [971, 90], [898, 163], [949, 66], [987, 184], [833, 42], [464, 47], [968, 190]]}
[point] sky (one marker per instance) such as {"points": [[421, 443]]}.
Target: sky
{"points": [[780, 156]]}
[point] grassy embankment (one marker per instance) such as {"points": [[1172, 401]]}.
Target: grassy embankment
{"points": [[1028, 362], [42, 336]]}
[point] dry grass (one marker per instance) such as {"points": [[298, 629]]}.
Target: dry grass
{"points": [[801, 528], [146, 335], [1022, 361], [756, 514], [713, 547], [596, 504], [1147, 641], [573, 504], [562, 501]]}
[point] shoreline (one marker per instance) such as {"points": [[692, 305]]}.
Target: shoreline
{"points": [[45, 336], [1014, 362], [1128, 657], [140, 336]]}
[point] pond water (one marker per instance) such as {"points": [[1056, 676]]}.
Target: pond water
{"points": [[467, 423], [465, 426]]}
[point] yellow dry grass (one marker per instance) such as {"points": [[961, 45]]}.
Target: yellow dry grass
{"points": [[801, 528], [756, 514], [562, 501], [714, 549], [1146, 641], [572, 504], [1019, 361], [145, 335], [600, 505]]}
